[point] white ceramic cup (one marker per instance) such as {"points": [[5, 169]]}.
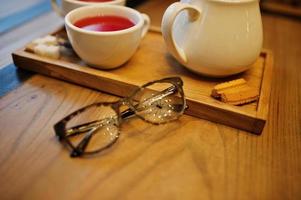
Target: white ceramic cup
{"points": [[106, 50], [68, 5]]}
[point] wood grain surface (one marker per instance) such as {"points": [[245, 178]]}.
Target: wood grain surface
{"points": [[187, 159], [283, 7]]}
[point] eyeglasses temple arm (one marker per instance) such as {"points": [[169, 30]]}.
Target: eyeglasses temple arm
{"points": [[82, 128], [128, 113], [124, 115], [80, 148], [160, 95]]}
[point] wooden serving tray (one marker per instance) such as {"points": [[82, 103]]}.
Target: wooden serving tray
{"points": [[152, 62]]}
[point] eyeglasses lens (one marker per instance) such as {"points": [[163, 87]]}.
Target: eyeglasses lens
{"points": [[98, 124], [159, 103]]}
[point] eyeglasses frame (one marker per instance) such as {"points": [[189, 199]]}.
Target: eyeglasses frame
{"points": [[76, 151]]}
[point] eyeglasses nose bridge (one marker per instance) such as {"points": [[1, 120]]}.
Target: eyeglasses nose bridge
{"points": [[124, 102], [179, 82]]}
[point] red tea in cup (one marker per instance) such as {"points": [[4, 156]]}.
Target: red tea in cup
{"points": [[104, 23]]}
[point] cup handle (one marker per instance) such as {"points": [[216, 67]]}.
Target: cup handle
{"points": [[56, 8], [146, 24], [167, 26]]}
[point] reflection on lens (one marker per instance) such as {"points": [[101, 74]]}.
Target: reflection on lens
{"points": [[98, 121], [159, 103]]}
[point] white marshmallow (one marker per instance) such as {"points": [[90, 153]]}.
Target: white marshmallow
{"points": [[49, 51], [48, 40]]}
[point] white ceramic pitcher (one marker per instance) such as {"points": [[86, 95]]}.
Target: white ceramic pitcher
{"points": [[214, 37]]}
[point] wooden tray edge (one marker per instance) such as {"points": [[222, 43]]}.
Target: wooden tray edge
{"points": [[265, 92], [240, 121]]}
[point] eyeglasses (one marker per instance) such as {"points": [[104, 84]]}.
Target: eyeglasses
{"points": [[95, 127]]}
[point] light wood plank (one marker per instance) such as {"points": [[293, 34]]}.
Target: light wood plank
{"points": [[13, 6], [20, 36]]}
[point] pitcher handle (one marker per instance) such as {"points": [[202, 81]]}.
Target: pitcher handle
{"points": [[146, 24], [56, 8], [167, 26]]}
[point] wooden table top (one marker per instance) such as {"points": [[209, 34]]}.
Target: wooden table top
{"points": [[188, 159]]}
